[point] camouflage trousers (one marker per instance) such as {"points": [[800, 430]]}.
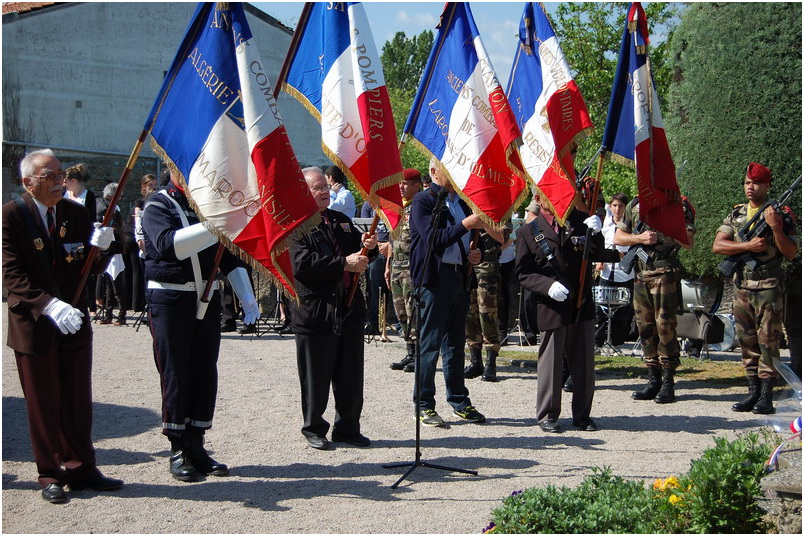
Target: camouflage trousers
{"points": [[758, 326], [482, 322], [402, 291], [655, 306]]}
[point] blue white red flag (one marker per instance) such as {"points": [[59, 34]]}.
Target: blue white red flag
{"points": [[461, 116], [549, 110], [635, 133], [216, 123], [335, 72]]}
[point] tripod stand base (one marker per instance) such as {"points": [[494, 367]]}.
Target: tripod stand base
{"points": [[419, 463]]}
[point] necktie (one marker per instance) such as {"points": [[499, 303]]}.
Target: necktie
{"points": [[51, 221]]}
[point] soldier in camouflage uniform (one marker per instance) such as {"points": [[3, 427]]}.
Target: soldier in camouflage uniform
{"points": [[758, 294], [397, 272], [656, 298], [482, 322]]}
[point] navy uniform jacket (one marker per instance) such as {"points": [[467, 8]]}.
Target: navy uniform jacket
{"points": [[445, 235], [160, 222]]}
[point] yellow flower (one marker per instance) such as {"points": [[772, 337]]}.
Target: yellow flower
{"points": [[671, 482], [657, 484], [674, 499]]}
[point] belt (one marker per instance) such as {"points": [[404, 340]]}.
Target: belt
{"points": [[763, 273], [185, 287], [450, 266]]}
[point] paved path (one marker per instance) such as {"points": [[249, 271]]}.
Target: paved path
{"points": [[278, 485]]}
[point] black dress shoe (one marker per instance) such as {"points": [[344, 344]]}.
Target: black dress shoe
{"points": [[550, 426], [358, 440], [182, 468], [248, 328], [317, 442], [587, 424], [228, 327], [287, 330], [97, 483], [53, 493]]}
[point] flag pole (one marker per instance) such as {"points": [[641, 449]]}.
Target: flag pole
{"points": [[586, 247], [294, 44], [363, 251], [121, 184]]}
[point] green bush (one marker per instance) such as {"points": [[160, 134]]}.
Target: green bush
{"points": [[718, 495]]}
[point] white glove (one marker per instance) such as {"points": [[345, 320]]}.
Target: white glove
{"points": [[558, 292], [242, 287], [594, 224], [102, 237], [66, 317], [192, 239]]}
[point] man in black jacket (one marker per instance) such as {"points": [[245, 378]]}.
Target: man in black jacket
{"points": [[329, 336]]}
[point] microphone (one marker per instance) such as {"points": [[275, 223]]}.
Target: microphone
{"points": [[439, 207]]}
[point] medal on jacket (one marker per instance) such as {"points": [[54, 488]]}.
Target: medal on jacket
{"points": [[38, 244], [63, 230]]}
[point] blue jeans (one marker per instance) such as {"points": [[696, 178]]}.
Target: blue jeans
{"points": [[443, 328]]}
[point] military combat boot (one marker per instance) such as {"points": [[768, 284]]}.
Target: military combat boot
{"points": [[180, 465], [666, 394], [765, 404], [490, 370], [753, 396], [475, 367], [407, 360], [200, 458], [652, 388]]}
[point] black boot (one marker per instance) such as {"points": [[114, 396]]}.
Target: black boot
{"points": [[753, 396], [200, 457], [653, 386], [667, 394], [490, 370], [475, 367], [765, 404], [409, 358], [180, 465]]}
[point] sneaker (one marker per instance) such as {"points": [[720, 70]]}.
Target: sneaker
{"points": [[469, 413], [429, 417]]}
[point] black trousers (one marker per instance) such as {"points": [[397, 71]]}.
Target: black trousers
{"points": [[325, 359], [186, 355]]}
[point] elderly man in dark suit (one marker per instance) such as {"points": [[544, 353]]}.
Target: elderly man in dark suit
{"points": [[548, 263], [329, 336], [45, 244]]}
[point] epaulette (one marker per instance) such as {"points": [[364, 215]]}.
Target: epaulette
{"points": [[738, 205]]}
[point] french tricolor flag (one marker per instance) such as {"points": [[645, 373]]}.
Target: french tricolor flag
{"points": [[461, 116], [549, 109], [635, 131], [215, 121], [334, 70]]}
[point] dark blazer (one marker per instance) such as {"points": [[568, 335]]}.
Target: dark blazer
{"points": [[25, 274], [537, 274], [421, 213], [318, 271]]}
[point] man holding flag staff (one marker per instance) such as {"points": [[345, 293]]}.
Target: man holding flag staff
{"points": [[758, 291]]}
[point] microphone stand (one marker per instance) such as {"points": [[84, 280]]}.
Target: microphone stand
{"points": [[417, 296]]}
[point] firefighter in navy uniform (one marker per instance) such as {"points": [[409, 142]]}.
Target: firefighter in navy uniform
{"points": [[758, 302], [179, 255]]}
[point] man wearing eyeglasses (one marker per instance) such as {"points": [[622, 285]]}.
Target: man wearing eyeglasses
{"points": [[46, 242]]}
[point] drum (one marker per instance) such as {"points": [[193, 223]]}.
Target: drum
{"points": [[729, 335], [611, 295]]}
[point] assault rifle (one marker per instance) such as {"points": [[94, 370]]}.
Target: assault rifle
{"points": [[637, 251], [755, 227]]}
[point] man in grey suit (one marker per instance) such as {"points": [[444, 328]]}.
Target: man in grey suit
{"points": [[548, 263]]}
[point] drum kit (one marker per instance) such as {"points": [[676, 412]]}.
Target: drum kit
{"points": [[610, 299]]}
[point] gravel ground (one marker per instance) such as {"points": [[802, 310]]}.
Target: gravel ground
{"points": [[278, 485]]}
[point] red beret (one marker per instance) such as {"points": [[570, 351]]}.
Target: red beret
{"points": [[758, 173], [411, 174]]}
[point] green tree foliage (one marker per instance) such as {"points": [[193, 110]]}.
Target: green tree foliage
{"points": [[403, 61], [590, 34], [735, 98]]}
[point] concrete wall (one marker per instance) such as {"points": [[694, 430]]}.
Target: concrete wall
{"points": [[87, 74]]}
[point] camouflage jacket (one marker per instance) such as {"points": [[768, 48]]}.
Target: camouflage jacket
{"points": [[770, 258], [665, 247], [401, 245]]}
